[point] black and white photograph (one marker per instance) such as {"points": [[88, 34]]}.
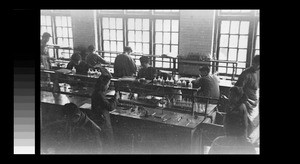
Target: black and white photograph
{"points": [[149, 81]]}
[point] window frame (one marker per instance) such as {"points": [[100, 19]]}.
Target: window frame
{"points": [[251, 37], [152, 16]]}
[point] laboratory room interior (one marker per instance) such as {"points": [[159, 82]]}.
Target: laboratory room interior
{"points": [[150, 81]]}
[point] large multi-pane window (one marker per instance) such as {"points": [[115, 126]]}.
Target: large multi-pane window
{"points": [[46, 26], [233, 45], [112, 35], [235, 32], [166, 40], [257, 40], [139, 36], [147, 32], [64, 35], [60, 29]]}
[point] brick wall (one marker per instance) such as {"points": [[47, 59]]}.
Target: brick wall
{"points": [[196, 36], [83, 28], [196, 28]]}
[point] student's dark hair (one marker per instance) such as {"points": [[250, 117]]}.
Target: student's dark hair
{"points": [[127, 49], [102, 81], [236, 91], [70, 110], [144, 59], [91, 48], [204, 68], [76, 57], [256, 59], [235, 123], [46, 34]]}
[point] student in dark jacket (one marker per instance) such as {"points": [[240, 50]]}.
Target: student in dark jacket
{"points": [[92, 58], [124, 65], [235, 140], [75, 134], [147, 72], [81, 66], [101, 106], [208, 85]]}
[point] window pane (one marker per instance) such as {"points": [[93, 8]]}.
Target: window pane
{"points": [[145, 24], [65, 32], [112, 23], [105, 23], [113, 35], [232, 54], [58, 21], [70, 32], [233, 40], [257, 33], [59, 41], [174, 51], [138, 36], [221, 68], [158, 50], [242, 55], [43, 21], [71, 43], [166, 65], [256, 52], [113, 46], [166, 38], [105, 34], [119, 35], [145, 36], [130, 24], [244, 29], [138, 47], [223, 54], [49, 30], [241, 65], [119, 23], [158, 64], [166, 49], [175, 25], [106, 46], [174, 38], [131, 36], [234, 28], [167, 25], [224, 41], [69, 22], [257, 43], [225, 27], [158, 25], [120, 46], [64, 21], [243, 41], [138, 24], [132, 45], [48, 20], [145, 48], [158, 37]]}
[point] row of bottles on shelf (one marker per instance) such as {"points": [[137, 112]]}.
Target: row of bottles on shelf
{"points": [[169, 81], [198, 107], [93, 72]]}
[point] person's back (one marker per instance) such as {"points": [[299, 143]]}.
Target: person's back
{"points": [[209, 87], [124, 66], [232, 145], [235, 125], [92, 58]]}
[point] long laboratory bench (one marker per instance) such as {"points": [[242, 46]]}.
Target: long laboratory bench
{"points": [[162, 131]]}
